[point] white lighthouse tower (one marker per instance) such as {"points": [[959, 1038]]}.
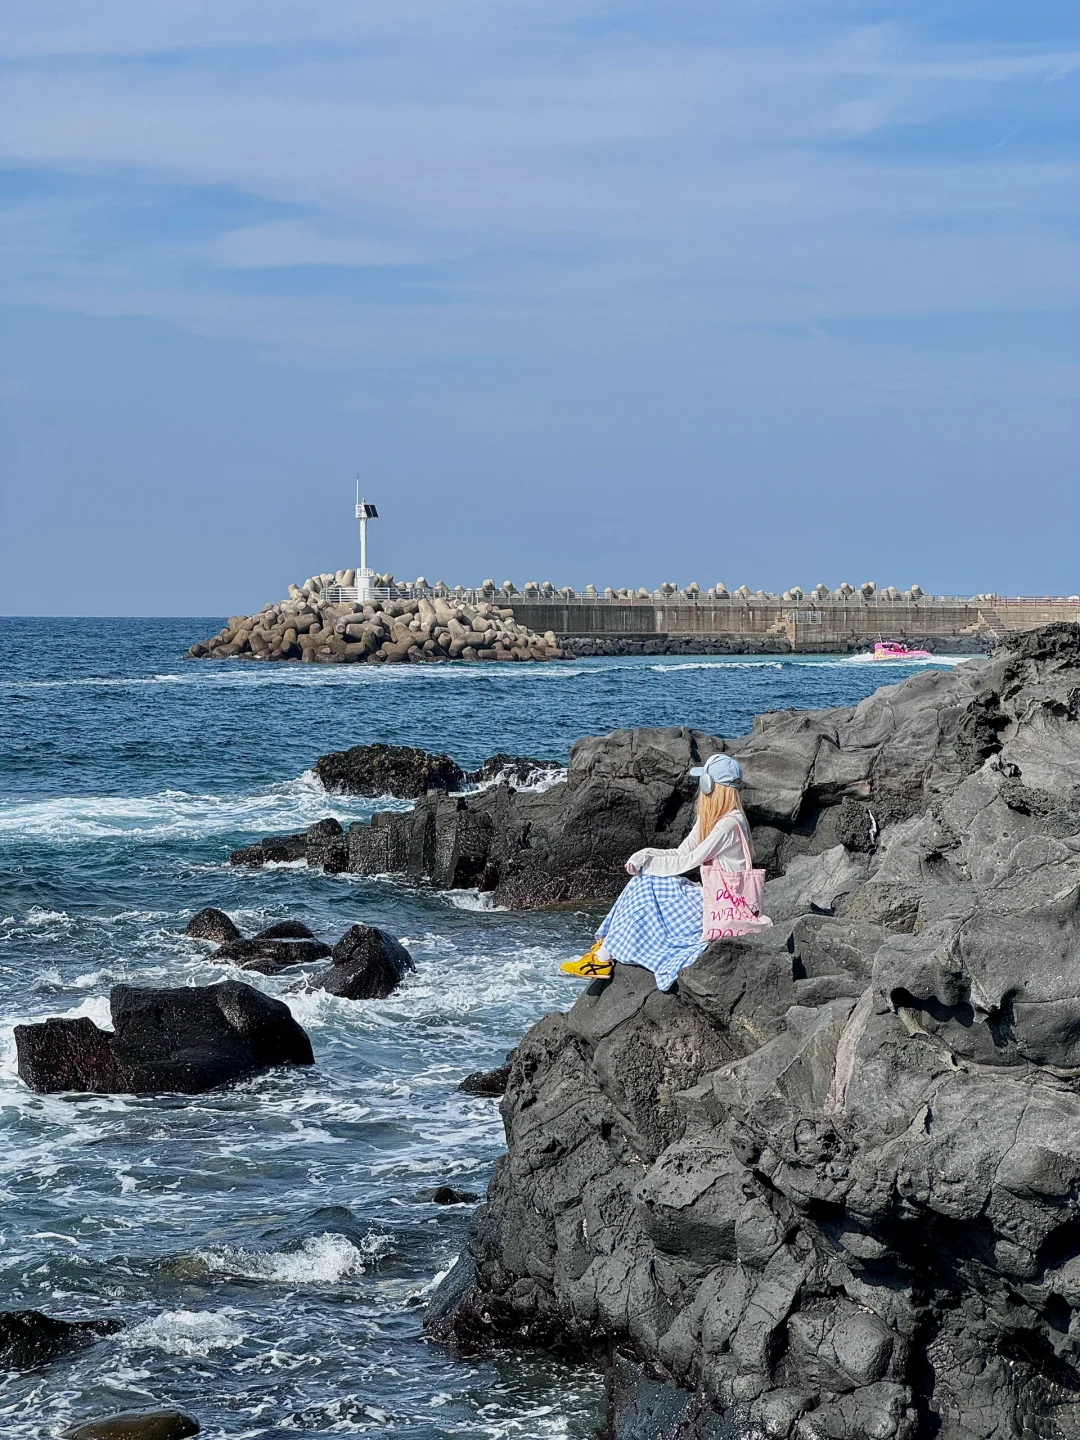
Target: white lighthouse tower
{"points": [[365, 579]]}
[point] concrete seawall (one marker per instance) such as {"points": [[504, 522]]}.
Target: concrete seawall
{"points": [[821, 626]]}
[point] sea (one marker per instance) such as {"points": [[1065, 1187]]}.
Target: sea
{"points": [[270, 1247]]}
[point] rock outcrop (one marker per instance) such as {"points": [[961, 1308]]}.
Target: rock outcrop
{"points": [[138, 1425], [489, 1083], [188, 1040], [829, 1186], [28, 1338], [211, 924], [309, 627], [398, 770], [532, 846], [369, 964]]}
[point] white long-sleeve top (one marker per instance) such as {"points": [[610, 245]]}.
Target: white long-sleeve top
{"points": [[722, 843]]}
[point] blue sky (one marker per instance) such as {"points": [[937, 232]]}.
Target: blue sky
{"points": [[765, 291]]}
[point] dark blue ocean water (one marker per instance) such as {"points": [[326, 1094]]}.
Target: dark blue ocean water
{"points": [[126, 776]]}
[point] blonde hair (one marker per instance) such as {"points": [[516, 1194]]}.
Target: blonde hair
{"points": [[722, 800]]}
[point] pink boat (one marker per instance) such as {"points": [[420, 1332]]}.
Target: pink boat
{"points": [[896, 650]]}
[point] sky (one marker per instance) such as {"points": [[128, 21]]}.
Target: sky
{"points": [[770, 292]]}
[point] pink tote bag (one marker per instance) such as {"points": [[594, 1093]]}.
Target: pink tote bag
{"points": [[731, 899]]}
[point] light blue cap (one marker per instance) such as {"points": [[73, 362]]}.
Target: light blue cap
{"points": [[721, 770]]}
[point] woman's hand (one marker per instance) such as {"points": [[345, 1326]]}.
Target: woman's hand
{"points": [[631, 868]]}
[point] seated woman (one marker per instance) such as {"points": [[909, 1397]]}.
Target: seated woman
{"points": [[656, 921]]}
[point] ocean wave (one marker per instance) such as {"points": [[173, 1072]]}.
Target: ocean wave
{"points": [[719, 664], [899, 663], [184, 1332], [471, 900], [320, 1260], [245, 674], [290, 804]]}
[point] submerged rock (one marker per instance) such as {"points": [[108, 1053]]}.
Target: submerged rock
{"points": [[490, 1083], [188, 1040], [277, 947], [28, 1338], [828, 1186], [285, 930], [397, 770], [369, 964], [447, 1195], [268, 956], [211, 924], [138, 1425]]}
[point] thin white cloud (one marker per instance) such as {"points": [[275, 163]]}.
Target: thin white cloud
{"points": [[611, 176]]}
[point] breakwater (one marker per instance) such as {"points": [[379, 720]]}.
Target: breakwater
{"points": [[387, 630], [686, 623], [326, 620]]}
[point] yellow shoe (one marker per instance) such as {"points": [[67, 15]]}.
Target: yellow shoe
{"points": [[590, 966]]}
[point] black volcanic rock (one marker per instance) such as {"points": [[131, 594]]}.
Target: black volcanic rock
{"points": [[211, 924], [511, 768], [267, 955], [28, 1338], [537, 848], [137, 1425], [284, 930], [369, 964], [447, 1195], [489, 1083], [276, 849], [189, 1040], [827, 1188], [326, 846], [397, 770]]}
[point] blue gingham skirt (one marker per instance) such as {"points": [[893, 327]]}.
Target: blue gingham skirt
{"points": [[655, 923]]}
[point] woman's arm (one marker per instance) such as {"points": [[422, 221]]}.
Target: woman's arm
{"points": [[691, 853], [642, 861]]}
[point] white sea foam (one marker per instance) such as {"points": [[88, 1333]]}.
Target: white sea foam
{"points": [[179, 814], [320, 1260], [899, 662], [184, 1332], [472, 900], [719, 665]]}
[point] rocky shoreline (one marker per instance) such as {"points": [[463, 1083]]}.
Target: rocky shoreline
{"points": [[828, 1187]]}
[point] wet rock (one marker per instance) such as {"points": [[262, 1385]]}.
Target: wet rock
{"points": [[513, 769], [489, 1083], [643, 1406], [277, 850], [268, 956], [285, 930], [28, 1338], [447, 1195], [211, 924], [369, 964], [188, 1040], [327, 847], [398, 770], [138, 1425]]}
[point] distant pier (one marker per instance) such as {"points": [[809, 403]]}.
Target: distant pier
{"points": [[807, 623]]}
